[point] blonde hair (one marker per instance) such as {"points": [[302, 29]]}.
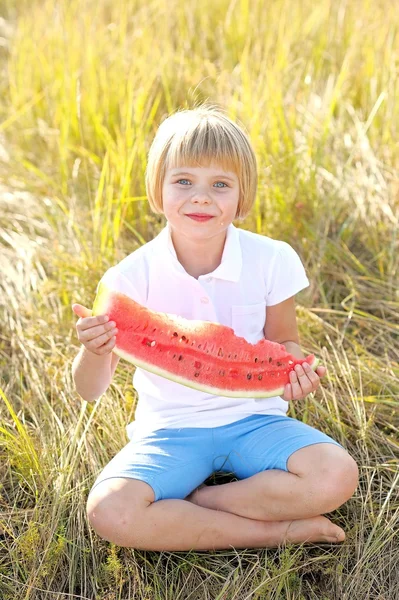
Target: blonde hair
{"points": [[197, 137]]}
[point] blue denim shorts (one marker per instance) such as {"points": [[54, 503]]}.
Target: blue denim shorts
{"points": [[176, 461]]}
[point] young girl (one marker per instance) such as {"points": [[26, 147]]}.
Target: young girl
{"points": [[202, 175]]}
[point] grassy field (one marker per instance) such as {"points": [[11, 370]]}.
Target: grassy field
{"points": [[84, 86]]}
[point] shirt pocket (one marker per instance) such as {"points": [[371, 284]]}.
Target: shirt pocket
{"points": [[248, 320]]}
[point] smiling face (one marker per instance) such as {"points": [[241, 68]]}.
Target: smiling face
{"points": [[200, 191]]}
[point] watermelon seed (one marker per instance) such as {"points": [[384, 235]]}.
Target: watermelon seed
{"points": [[180, 357], [270, 359], [221, 372], [196, 374], [256, 360], [174, 356], [199, 345], [249, 376], [175, 334], [279, 363], [259, 377], [220, 353]]}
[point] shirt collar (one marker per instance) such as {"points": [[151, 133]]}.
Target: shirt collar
{"points": [[230, 266]]}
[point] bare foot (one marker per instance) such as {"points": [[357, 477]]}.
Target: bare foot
{"points": [[315, 529]]}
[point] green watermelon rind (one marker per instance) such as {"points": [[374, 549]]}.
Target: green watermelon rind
{"points": [[100, 304], [100, 307], [210, 389]]}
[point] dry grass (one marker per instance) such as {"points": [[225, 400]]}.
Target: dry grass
{"points": [[83, 89]]}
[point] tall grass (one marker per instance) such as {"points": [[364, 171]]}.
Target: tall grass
{"points": [[84, 86]]}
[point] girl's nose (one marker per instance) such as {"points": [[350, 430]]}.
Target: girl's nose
{"points": [[201, 198]]}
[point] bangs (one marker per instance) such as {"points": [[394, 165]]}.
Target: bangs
{"points": [[201, 146]]}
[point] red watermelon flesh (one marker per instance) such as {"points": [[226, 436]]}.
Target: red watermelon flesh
{"points": [[199, 354]]}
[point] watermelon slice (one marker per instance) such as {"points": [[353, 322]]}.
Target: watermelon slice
{"points": [[199, 354]]}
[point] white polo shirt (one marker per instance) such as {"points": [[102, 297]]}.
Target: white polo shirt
{"points": [[255, 272]]}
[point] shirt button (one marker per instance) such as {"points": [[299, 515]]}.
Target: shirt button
{"points": [[204, 300]]}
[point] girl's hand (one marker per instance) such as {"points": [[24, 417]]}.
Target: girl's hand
{"points": [[95, 333], [303, 382]]}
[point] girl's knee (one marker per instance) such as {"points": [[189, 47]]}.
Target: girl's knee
{"points": [[115, 515], [337, 481], [329, 474], [351, 473]]}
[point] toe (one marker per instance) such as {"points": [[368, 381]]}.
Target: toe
{"points": [[337, 536]]}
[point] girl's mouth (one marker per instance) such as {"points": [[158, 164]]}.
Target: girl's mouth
{"points": [[200, 217]]}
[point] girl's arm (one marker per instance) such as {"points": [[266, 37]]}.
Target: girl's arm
{"points": [[281, 326], [92, 373]]}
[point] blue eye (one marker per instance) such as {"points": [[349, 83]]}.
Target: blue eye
{"points": [[225, 184]]}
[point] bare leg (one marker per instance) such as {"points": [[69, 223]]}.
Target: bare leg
{"points": [[122, 517], [277, 495], [269, 496], [178, 526]]}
